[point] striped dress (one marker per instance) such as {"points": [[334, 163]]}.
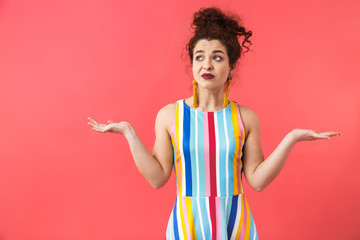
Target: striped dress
{"points": [[210, 201]]}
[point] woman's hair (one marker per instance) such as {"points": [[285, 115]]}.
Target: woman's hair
{"points": [[213, 24]]}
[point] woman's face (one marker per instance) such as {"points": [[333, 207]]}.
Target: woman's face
{"points": [[210, 64]]}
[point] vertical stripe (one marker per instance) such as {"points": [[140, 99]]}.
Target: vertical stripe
{"points": [[238, 221], [231, 148], [236, 156], [179, 219], [233, 213], [176, 230], [201, 155], [195, 131], [218, 217], [190, 218], [197, 215], [182, 218], [242, 142], [222, 176], [212, 216], [206, 154], [212, 154], [217, 154], [186, 149], [244, 219], [186, 216], [204, 207], [248, 219], [181, 149]]}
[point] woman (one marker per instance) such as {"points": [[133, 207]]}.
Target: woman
{"points": [[210, 140]]}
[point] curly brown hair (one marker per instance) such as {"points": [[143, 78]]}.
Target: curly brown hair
{"points": [[213, 24]]}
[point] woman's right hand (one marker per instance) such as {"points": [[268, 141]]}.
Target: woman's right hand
{"points": [[113, 127]]}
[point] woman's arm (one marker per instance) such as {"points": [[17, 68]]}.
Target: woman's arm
{"points": [[155, 167], [259, 172]]}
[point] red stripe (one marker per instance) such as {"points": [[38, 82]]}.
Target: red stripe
{"points": [[212, 216], [212, 154]]}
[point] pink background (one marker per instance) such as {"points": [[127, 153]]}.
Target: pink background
{"points": [[62, 61]]}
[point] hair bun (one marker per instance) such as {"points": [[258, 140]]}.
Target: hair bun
{"points": [[212, 23], [206, 19]]}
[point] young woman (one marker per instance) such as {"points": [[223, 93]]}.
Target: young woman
{"points": [[210, 141]]}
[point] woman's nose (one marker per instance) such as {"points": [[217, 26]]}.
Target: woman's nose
{"points": [[207, 65]]}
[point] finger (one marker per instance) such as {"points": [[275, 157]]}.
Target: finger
{"points": [[93, 121], [98, 129], [331, 134], [111, 121], [320, 136], [93, 124]]}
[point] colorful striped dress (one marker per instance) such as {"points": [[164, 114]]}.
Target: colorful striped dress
{"points": [[210, 201]]}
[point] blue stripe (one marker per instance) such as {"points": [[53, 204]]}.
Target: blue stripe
{"points": [[176, 231], [232, 215], [186, 148]]}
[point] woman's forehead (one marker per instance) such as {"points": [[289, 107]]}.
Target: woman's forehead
{"points": [[209, 45]]}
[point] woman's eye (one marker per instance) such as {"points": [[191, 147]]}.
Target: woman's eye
{"points": [[217, 58], [199, 58]]}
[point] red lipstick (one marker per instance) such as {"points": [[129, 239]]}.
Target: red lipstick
{"points": [[207, 76]]}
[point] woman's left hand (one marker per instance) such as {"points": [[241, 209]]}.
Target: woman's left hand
{"points": [[308, 135]]}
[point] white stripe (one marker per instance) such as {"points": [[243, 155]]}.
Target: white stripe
{"points": [[217, 153], [181, 235], [227, 155], [201, 221], [181, 130], [208, 212], [238, 215], [197, 154], [254, 232]]}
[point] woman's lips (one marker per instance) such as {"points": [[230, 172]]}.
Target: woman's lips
{"points": [[207, 76]]}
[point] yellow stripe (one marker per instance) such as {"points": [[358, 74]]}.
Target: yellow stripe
{"points": [[179, 167], [175, 163], [241, 148], [235, 123], [247, 231], [241, 218], [190, 217], [182, 218]]}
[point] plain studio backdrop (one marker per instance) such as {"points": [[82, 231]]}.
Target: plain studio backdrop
{"points": [[63, 61]]}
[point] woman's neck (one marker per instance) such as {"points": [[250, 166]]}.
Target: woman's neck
{"points": [[210, 100]]}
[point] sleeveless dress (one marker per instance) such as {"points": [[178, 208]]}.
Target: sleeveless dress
{"points": [[210, 201]]}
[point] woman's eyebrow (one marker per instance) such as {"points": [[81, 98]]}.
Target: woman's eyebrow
{"points": [[218, 51], [215, 51], [199, 51]]}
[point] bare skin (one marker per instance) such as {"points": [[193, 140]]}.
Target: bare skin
{"points": [[210, 57]]}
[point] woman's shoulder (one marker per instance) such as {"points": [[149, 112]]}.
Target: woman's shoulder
{"points": [[168, 109], [166, 115], [249, 117], [244, 110]]}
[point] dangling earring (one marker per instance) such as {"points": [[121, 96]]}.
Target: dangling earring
{"points": [[226, 95], [195, 95]]}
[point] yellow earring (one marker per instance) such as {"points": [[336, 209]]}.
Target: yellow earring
{"points": [[195, 95], [226, 95]]}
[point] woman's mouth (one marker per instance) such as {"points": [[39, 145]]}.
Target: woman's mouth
{"points": [[207, 76]]}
